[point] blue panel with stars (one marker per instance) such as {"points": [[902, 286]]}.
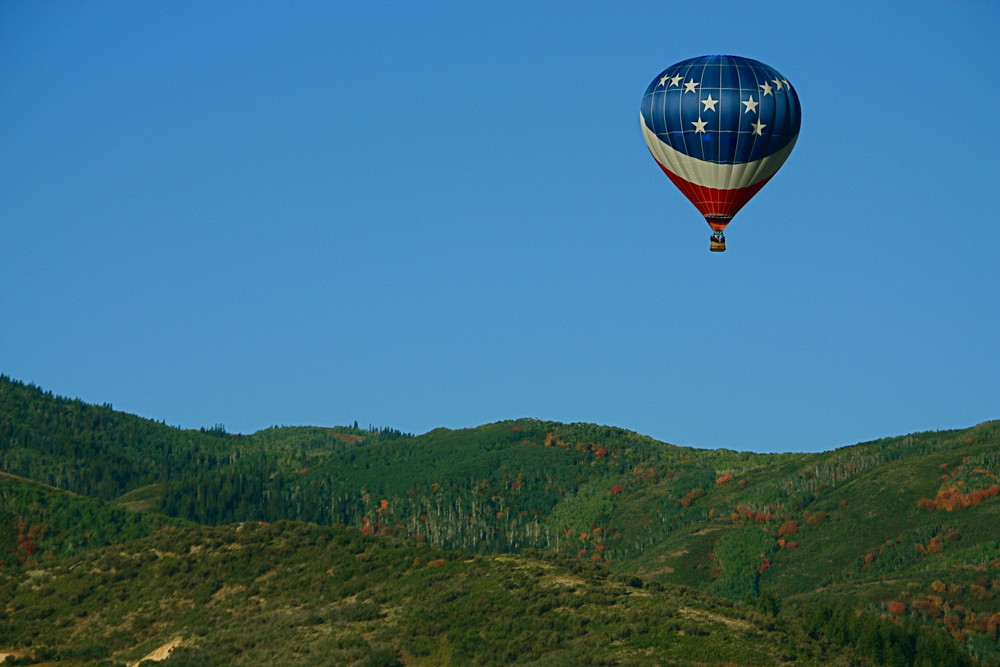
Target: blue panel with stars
{"points": [[722, 109]]}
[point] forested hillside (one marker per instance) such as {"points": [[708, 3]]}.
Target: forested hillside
{"points": [[97, 451], [904, 528], [39, 523]]}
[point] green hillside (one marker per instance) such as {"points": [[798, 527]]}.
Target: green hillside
{"points": [[905, 528], [101, 452], [300, 594], [40, 523]]}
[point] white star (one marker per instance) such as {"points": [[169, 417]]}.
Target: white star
{"points": [[690, 85], [785, 81], [676, 80], [778, 84], [758, 126], [766, 86], [751, 105], [709, 103], [664, 79], [699, 125]]}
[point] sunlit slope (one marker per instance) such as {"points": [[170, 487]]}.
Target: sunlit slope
{"points": [[296, 594], [843, 515]]}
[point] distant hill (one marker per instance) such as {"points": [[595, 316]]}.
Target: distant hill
{"points": [[906, 528]]}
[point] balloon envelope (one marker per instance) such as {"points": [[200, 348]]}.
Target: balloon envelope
{"points": [[720, 127]]}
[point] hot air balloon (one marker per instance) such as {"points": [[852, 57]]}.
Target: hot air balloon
{"points": [[720, 127]]}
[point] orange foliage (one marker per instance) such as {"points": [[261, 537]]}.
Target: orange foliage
{"points": [[791, 545], [616, 489], [691, 496], [725, 478], [951, 498], [897, 607], [977, 497], [927, 606], [790, 527], [437, 562]]}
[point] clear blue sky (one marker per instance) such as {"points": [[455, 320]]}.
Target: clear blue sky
{"points": [[423, 214]]}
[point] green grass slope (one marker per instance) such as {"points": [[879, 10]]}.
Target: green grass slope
{"points": [[299, 594]]}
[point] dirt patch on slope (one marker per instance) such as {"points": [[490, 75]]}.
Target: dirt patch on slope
{"points": [[161, 653], [702, 615]]}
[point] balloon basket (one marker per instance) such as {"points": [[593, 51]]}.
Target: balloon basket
{"points": [[717, 245]]}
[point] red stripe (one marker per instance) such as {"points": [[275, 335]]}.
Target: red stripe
{"points": [[718, 206]]}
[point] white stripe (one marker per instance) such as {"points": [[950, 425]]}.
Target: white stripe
{"points": [[710, 174]]}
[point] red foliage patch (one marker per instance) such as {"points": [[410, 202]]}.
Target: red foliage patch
{"points": [[951, 498], [691, 496], [790, 527]]}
